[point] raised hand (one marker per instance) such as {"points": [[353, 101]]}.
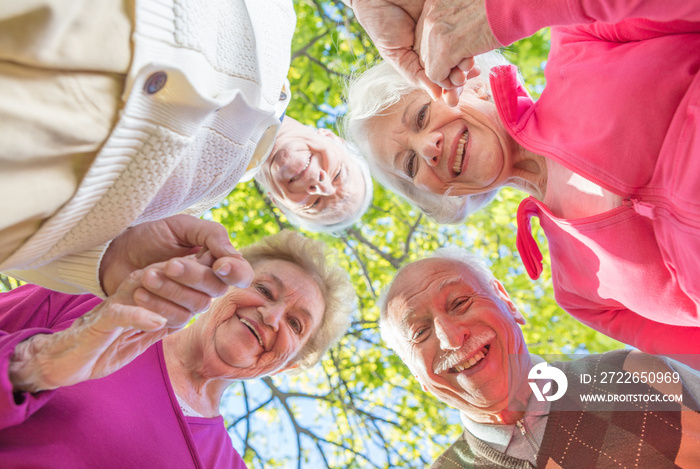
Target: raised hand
{"points": [[430, 42], [449, 34], [116, 331], [392, 26]]}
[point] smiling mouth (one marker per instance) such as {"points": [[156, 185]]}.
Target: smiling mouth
{"points": [[461, 149], [253, 330], [298, 175], [465, 365]]}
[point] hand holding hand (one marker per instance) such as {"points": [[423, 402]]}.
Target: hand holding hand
{"points": [[95, 345], [449, 33], [147, 306], [176, 236], [182, 287], [392, 25]]}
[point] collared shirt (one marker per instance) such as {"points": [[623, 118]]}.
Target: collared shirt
{"points": [[508, 439]]}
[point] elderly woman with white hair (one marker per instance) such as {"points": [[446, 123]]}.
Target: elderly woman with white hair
{"points": [[608, 155], [156, 403], [318, 180]]}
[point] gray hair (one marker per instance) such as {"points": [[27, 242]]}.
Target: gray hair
{"points": [[474, 264], [334, 283], [368, 96], [317, 225]]}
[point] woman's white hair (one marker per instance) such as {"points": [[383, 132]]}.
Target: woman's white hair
{"points": [[334, 283], [368, 96]]}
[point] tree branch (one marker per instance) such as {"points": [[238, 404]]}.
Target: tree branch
{"points": [[327, 68], [365, 272], [271, 207], [395, 263], [304, 50], [409, 236]]}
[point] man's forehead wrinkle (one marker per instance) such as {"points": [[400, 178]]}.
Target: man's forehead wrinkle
{"points": [[408, 295], [449, 282], [397, 303], [404, 322]]}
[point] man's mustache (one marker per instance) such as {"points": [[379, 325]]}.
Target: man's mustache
{"points": [[470, 347]]}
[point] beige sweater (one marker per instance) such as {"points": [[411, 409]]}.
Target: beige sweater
{"points": [[180, 146]]}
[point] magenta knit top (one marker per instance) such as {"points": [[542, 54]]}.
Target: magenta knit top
{"points": [[130, 418]]}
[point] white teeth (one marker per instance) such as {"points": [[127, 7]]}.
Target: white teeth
{"points": [[250, 326], [471, 362], [461, 145], [308, 162]]}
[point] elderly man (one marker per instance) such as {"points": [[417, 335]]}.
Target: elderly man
{"points": [[456, 328]]}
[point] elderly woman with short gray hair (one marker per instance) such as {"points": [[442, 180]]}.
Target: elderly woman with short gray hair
{"points": [[156, 403], [607, 154]]}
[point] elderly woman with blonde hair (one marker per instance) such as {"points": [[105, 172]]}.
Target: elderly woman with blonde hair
{"points": [[608, 155], [156, 403]]}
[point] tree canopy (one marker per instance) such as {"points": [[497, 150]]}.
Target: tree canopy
{"points": [[361, 408]]}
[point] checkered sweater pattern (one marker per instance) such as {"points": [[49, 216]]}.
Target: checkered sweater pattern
{"points": [[616, 437]]}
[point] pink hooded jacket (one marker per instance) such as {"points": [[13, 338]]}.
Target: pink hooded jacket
{"points": [[622, 109]]}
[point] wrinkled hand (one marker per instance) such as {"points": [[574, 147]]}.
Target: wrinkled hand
{"points": [[176, 236], [392, 24], [449, 34], [115, 332]]}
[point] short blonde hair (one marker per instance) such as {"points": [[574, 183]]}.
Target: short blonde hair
{"points": [[334, 283]]}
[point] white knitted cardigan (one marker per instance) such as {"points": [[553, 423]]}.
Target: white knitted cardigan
{"points": [[181, 148]]}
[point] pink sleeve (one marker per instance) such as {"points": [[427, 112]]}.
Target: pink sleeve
{"points": [[24, 312], [680, 342], [511, 20]]}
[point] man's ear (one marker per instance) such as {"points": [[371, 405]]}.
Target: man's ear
{"points": [[330, 134], [505, 297]]}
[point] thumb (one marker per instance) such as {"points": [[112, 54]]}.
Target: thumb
{"points": [[434, 90], [451, 97], [234, 271], [192, 231], [407, 63]]}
